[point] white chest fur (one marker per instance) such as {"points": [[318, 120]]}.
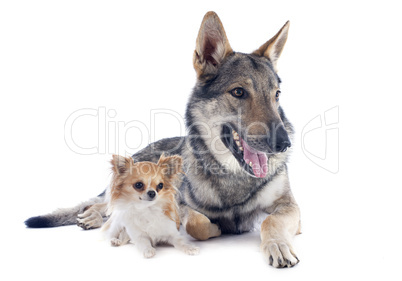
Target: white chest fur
{"points": [[150, 222], [272, 191]]}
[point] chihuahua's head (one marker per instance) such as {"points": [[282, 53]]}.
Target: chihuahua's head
{"points": [[143, 183]]}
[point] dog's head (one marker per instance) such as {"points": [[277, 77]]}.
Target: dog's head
{"points": [[143, 183], [238, 97]]}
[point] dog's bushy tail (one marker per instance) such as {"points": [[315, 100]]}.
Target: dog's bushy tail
{"points": [[65, 216]]}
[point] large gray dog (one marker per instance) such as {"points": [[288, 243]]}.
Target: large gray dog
{"points": [[235, 152]]}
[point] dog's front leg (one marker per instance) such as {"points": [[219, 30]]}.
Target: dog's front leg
{"points": [[278, 230], [182, 244], [144, 245], [121, 238], [197, 224], [141, 240]]}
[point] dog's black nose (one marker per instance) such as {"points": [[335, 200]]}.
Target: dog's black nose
{"points": [[151, 194], [283, 146], [279, 140]]}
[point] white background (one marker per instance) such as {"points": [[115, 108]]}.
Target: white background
{"points": [[57, 57]]}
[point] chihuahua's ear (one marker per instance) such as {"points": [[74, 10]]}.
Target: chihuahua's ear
{"points": [[272, 49], [171, 165], [120, 164], [212, 46]]}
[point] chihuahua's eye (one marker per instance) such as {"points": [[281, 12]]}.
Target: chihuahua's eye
{"points": [[238, 92], [160, 186], [278, 93], [138, 185]]}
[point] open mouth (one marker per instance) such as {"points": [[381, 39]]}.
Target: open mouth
{"points": [[251, 160]]}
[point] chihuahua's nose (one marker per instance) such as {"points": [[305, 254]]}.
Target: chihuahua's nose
{"points": [[151, 194]]}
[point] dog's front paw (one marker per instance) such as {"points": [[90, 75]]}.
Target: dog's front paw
{"points": [[115, 242], [191, 250], [149, 252], [279, 253], [90, 219]]}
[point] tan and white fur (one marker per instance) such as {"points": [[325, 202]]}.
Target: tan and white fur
{"points": [[142, 205]]}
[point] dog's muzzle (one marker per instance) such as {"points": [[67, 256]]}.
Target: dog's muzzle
{"points": [[276, 141], [252, 151]]}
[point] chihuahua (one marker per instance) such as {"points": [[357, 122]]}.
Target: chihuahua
{"points": [[142, 205]]}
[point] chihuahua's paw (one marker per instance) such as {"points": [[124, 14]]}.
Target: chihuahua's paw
{"points": [[191, 250], [90, 219], [149, 252], [115, 242]]}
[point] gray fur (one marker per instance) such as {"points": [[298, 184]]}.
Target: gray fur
{"points": [[63, 216]]}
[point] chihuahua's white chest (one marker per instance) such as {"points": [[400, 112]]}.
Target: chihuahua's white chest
{"points": [[151, 222]]}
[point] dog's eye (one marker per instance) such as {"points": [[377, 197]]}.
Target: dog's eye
{"points": [[278, 93], [160, 186], [139, 185], [238, 92]]}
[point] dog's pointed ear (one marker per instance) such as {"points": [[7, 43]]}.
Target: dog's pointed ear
{"points": [[272, 49], [120, 164], [212, 45], [171, 165]]}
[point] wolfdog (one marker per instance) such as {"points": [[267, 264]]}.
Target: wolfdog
{"points": [[234, 154]]}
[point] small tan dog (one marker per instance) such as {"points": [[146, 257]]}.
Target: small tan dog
{"points": [[142, 205]]}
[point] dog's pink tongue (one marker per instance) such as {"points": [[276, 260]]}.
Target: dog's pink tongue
{"points": [[257, 158]]}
